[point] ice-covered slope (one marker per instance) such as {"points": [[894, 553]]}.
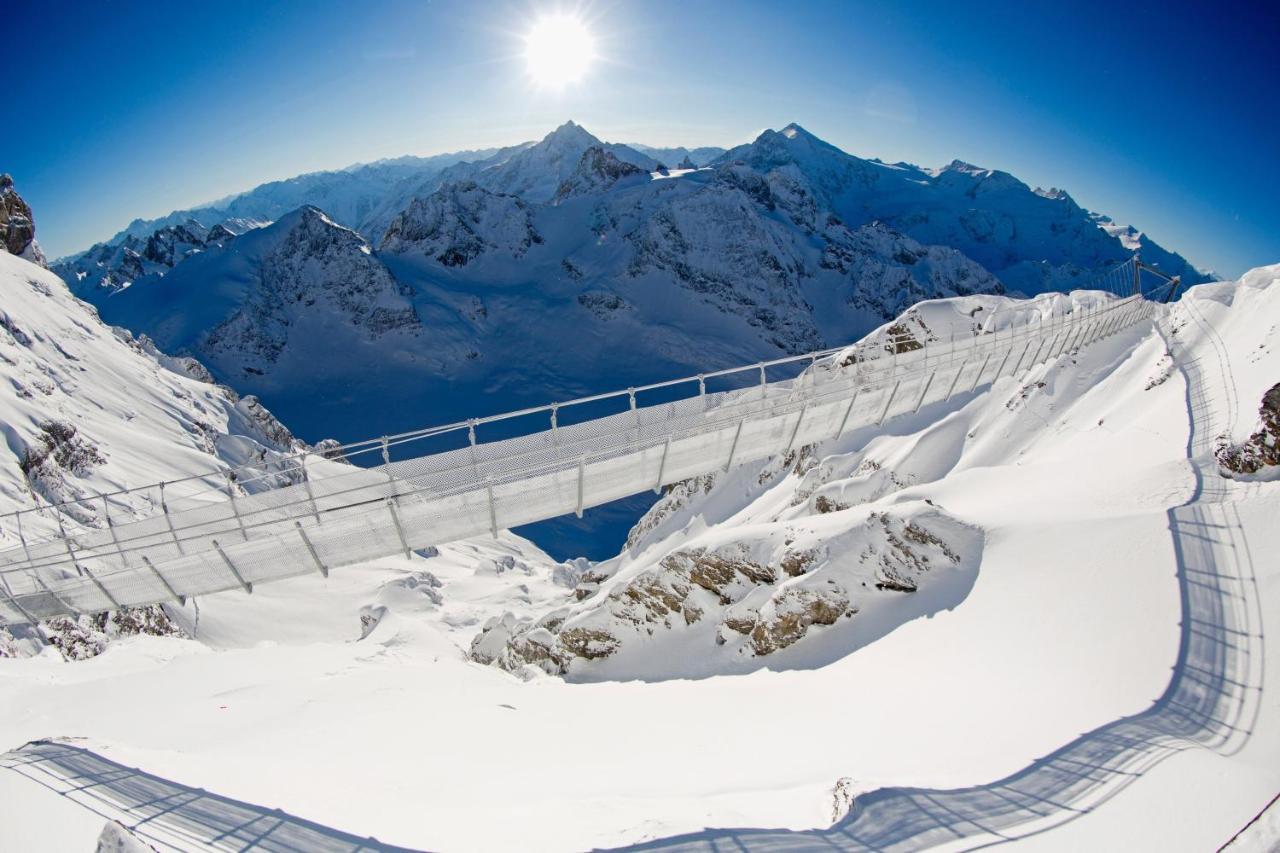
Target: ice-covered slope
{"points": [[1067, 621]]}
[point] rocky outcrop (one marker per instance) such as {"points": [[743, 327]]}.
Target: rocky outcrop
{"points": [[17, 224], [460, 223], [1262, 449], [749, 598], [83, 637], [315, 266], [110, 267], [597, 171]]}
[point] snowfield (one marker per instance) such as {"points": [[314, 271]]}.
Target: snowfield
{"points": [[1092, 662]]}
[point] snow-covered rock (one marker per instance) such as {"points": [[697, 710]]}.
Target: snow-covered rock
{"points": [[459, 222], [598, 170], [535, 173], [17, 224], [109, 267], [296, 287]]}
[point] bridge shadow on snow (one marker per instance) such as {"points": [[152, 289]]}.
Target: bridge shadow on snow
{"points": [[171, 814], [1212, 699]]}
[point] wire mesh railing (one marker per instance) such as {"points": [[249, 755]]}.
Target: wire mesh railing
{"points": [[326, 515]]}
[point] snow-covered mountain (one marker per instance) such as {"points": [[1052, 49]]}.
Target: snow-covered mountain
{"points": [[298, 294], [347, 195], [535, 172], [680, 157], [1032, 240], [88, 409], [115, 266]]}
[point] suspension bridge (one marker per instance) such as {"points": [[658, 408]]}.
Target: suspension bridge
{"points": [[166, 542]]}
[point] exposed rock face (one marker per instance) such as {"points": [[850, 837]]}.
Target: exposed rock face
{"points": [[87, 636], [110, 267], [597, 171], [62, 452], [316, 266], [17, 224], [749, 598], [1262, 449], [459, 223]]}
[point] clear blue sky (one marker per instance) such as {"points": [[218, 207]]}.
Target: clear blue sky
{"points": [[1162, 116]]}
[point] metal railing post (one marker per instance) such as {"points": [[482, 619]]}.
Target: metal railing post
{"points": [[582, 473], [924, 390], [111, 525], [181, 599], [115, 605], [955, 380], [306, 482], [733, 448], [248, 587], [662, 466], [395, 518], [493, 512], [848, 411], [164, 507], [888, 403], [981, 369], [302, 534], [26, 549]]}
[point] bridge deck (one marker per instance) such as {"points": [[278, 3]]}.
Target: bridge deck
{"points": [[339, 514]]}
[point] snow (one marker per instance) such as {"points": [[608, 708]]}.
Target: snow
{"points": [[1069, 621]]}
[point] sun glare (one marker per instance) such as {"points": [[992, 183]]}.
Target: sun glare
{"points": [[558, 50]]}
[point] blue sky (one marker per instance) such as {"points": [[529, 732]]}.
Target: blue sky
{"points": [[1166, 116]]}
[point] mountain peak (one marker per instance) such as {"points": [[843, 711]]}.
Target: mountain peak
{"points": [[794, 131], [570, 132]]}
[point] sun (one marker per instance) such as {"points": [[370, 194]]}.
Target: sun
{"points": [[558, 50]]}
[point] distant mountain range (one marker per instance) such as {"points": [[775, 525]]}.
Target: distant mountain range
{"points": [[410, 291]]}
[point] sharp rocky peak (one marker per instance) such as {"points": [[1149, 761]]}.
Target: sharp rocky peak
{"points": [[597, 170]]}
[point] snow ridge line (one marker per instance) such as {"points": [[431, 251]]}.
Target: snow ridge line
{"points": [[355, 515]]}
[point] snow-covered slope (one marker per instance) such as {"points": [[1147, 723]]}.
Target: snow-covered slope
{"points": [[1084, 579]]}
